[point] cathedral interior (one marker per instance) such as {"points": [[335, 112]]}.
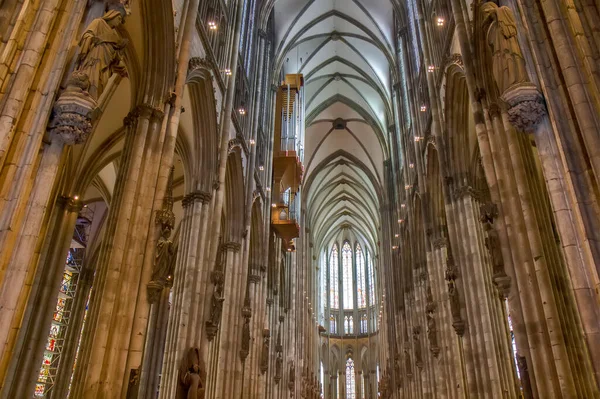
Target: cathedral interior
{"points": [[269, 199]]}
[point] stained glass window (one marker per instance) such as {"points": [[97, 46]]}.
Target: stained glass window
{"points": [[323, 274], [334, 289], [332, 326], [350, 380], [346, 325], [347, 276], [363, 324], [370, 278], [360, 277]]}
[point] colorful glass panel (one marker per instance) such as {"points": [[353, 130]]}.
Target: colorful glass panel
{"points": [[334, 291], [350, 380], [361, 289], [347, 276], [371, 278]]}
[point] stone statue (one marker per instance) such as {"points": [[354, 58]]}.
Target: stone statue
{"points": [[162, 273], [100, 51], [264, 356], [278, 368], [292, 376], [218, 297], [432, 334], [193, 374], [508, 64]]}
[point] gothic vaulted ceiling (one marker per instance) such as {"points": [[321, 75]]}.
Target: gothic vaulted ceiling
{"points": [[344, 49]]}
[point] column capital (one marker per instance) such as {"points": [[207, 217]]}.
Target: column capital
{"points": [[196, 196], [232, 246]]}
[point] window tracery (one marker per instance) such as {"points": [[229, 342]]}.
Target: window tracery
{"points": [[347, 276], [360, 277], [350, 380], [334, 300]]}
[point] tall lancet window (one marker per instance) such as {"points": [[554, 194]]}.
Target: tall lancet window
{"points": [[334, 289], [350, 380], [347, 276], [371, 281], [363, 323], [360, 277], [332, 324], [323, 272]]}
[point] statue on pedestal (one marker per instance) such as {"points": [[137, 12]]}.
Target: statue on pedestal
{"points": [[99, 58], [526, 106], [193, 374], [100, 51], [508, 64]]}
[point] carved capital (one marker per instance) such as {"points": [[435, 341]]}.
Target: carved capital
{"points": [[196, 196], [72, 115], [526, 106], [232, 246]]}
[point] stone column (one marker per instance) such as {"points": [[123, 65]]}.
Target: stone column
{"points": [[23, 208], [25, 368], [116, 285]]}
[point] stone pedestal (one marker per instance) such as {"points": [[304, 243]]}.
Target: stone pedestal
{"points": [[526, 106], [73, 112]]}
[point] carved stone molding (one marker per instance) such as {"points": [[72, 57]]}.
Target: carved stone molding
{"points": [[440, 242], [196, 196], [264, 356], [145, 111], [454, 59], [232, 246], [198, 63], [162, 271], [246, 314], [526, 106], [72, 115], [464, 191]]}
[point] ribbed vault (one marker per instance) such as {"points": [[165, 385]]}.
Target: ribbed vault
{"points": [[344, 49]]}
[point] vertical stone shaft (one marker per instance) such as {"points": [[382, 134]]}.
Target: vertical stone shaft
{"points": [[23, 205]]}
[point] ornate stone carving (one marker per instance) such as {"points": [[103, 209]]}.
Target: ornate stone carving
{"points": [[195, 196], [216, 308], [489, 212], [407, 365], [278, 368], [72, 114], [464, 191], [292, 378], [527, 107], [430, 308], [192, 374], [417, 343], [508, 64], [455, 59], [264, 355], [100, 52], [162, 273], [526, 103], [440, 242], [197, 63], [246, 314], [453, 297]]}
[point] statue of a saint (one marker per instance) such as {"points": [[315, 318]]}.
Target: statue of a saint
{"points": [[193, 374], [163, 264], [508, 64], [100, 51]]}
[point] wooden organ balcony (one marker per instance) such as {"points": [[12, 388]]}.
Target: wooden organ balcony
{"points": [[288, 154]]}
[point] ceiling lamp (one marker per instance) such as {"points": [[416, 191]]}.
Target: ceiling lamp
{"points": [[212, 25]]}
